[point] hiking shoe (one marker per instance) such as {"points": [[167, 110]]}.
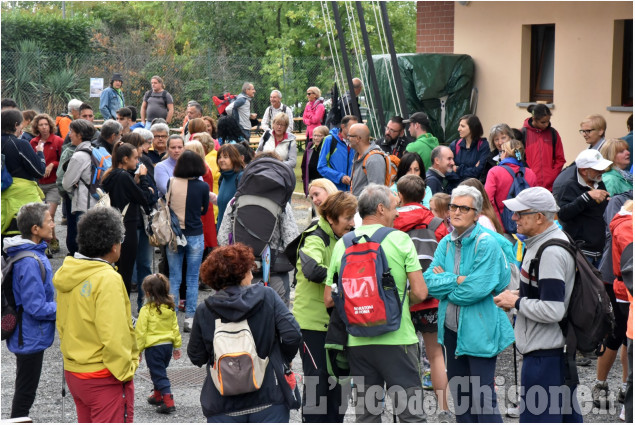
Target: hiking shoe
{"points": [[155, 399], [48, 253], [54, 246], [426, 382], [444, 417], [187, 325], [583, 361], [204, 288], [167, 404], [623, 414], [621, 396], [182, 305], [513, 412], [600, 394]]}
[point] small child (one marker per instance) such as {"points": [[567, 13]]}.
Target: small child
{"points": [[158, 333], [439, 207]]}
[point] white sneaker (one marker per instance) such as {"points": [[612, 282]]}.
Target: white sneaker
{"points": [[513, 412], [623, 414], [187, 325]]}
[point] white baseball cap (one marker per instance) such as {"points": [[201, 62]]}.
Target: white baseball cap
{"points": [[534, 198], [590, 158]]}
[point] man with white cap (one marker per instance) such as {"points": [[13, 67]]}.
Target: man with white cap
{"points": [[541, 305], [582, 198]]}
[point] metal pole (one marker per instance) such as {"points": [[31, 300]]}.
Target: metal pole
{"points": [[393, 60], [371, 66], [347, 65]]}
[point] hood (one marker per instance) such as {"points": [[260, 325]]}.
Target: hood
{"points": [[109, 182], [335, 133], [412, 215], [17, 243], [372, 146], [620, 218], [75, 271], [529, 127], [429, 140], [236, 303]]}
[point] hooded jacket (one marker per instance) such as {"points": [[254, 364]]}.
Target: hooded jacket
{"points": [[287, 149], [622, 230], [154, 328], [20, 159], [312, 116], [423, 146], [93, 319], [483, 329], [539, 154], [123, 190], [37, 298], [276, 334], [338, 164], [240, 111], [79, 170], [466, 160]]}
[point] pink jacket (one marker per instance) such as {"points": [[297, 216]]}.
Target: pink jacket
{"points": [[312, 117], [498, 183]]}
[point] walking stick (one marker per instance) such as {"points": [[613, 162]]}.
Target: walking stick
{"points": [[515, 367], [63, 393]]}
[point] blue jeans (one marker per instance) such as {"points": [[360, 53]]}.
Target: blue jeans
{"points": [[278, 413], [158, 358], [471, 381], [193, 251], [143, 263]]}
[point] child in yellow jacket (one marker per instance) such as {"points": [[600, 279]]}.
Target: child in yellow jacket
{"points": [[157, 332]]}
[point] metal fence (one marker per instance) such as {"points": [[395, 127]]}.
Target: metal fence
{"points": [[46, 81]]}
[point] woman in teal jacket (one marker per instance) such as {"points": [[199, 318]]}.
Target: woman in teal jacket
{"points": [[314, 256], [468, 270]]}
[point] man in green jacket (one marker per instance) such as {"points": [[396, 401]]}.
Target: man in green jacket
{"points": [[420, 129]]}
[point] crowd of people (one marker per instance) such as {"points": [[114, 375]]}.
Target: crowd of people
{"points": [[455, 229]]}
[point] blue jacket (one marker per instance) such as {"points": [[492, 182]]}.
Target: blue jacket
{"points": [[109, 102], [37, 298], [484, 329], [337, 165], [466, 159]]}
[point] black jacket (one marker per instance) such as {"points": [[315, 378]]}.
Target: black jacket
{"points": [[20, 158], [276, 334], [436, 183], [122, 189], [581, 217], [101, 142]]}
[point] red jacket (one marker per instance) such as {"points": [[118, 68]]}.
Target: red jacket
{"points": [[411, 219], [209, 223], [52, 154], [539, 154], [498, 183], [622, 231], [312, 117]]}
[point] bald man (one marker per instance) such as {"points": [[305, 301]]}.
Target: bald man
{"points": [[374, 169]]}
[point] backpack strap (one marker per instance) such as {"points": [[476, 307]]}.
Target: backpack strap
{"points": [[434, 223], [164, 95], [554, 139]]}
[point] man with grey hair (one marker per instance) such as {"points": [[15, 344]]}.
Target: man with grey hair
{"points": [[542, 302], [275, 98], [193, 110], [161, 132], [241, 107], [110, 134], [378, 209]]}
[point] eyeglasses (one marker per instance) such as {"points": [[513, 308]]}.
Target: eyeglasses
{"points": [[353, 136], [463, 208], [309, 92], [586, 132], [158, 136], [520, 214]]}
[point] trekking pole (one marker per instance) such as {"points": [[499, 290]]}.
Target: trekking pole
{"points": [[515, 403], [63, 393]]}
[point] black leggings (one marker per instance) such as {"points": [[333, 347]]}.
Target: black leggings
{"points": [[620, 310], [27, 378]]}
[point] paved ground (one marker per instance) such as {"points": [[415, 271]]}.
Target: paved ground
{"points": [[187, 379]]}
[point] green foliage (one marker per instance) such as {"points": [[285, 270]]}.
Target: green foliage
{"points": [[52, 32], [59, 87], [20, 77]]}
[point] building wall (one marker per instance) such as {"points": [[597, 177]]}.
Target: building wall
{"points": [[492, 33], [435, 27]]}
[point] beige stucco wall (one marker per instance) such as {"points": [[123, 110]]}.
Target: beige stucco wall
{"points": [[491, 32]]}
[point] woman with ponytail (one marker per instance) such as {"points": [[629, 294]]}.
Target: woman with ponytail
{"points": [[499, 180], [129, 189]]}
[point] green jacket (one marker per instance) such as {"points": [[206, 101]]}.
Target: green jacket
{"points": [[21, 192], [423, 146], [616, 183], [312, 265]]}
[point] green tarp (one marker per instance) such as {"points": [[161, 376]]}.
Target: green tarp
{"points": [[427, 78]]}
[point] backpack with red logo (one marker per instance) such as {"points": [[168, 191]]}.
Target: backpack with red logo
{"points": [[364, 291], [392, 164]]}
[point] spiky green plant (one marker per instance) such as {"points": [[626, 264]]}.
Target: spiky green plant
{"points": [[59, 87], [20, 74]]}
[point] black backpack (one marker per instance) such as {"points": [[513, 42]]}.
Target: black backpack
{"points": [[590, 314], [12, 314], [334, 116]]}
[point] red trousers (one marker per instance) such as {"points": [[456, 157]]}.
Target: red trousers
{"points": [[104, 400]]}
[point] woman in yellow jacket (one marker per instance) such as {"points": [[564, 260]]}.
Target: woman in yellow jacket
{"points": [[94, 323]]}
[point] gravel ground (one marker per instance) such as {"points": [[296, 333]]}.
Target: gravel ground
{"points": [[187, 379]]}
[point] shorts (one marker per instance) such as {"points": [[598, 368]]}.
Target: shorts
{"points": [[51, 193], [425, 321]]}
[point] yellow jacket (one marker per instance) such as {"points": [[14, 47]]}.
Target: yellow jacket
{"points": [[210, 158], [93, 319], [153, 328]]}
